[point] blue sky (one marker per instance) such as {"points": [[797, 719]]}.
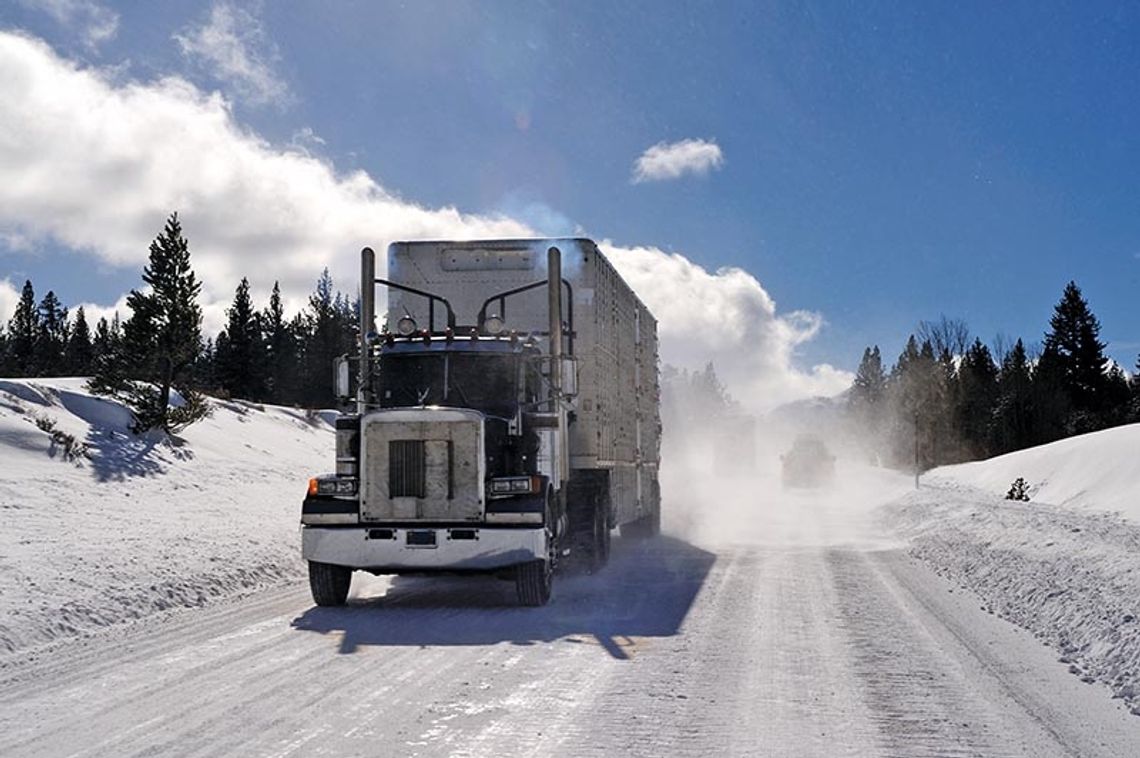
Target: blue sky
{"points": [[882, 163]]}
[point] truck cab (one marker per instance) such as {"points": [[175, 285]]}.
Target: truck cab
{"points": [[457, 455]]}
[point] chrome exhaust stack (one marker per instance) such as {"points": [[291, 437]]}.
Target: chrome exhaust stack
{"points": [[554, 287], [367, 326]]}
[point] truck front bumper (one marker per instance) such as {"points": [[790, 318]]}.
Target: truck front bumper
{"points": [[400, 550]]}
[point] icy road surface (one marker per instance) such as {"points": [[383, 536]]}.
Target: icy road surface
{"points": [[796, 635]]}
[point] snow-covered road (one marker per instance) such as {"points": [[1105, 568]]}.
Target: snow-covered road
{"points": [[745, 649]]}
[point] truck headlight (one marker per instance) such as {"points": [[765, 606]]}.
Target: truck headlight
{"points": [[494, 325], [331, 486], [515, 485], [406, 326]]}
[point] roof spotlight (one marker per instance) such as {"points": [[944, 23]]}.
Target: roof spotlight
{"points": [[493, 325], [406, 326]]}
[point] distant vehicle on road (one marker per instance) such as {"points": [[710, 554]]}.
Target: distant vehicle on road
{"points": [[808, 464]]}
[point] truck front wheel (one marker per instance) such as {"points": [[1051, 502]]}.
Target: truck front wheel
{"points": [[328, 583], [532, 582]]}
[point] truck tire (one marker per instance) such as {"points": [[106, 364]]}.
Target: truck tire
{"points": [[601, 552], [532, 582], [328, 583], [589, 522]]}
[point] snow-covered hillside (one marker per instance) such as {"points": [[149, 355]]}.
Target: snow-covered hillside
{"points": [[1098, 471], [1065, 565], [128, 526]]}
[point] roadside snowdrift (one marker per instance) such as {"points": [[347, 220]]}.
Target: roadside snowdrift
{"points": [[1065, 566], [127, 526], [1098, 471]]}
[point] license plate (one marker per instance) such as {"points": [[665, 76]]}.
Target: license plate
{"points": [[421, 538]]}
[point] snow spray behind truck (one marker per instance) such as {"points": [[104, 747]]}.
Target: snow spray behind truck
{"points": [[506, 419]]}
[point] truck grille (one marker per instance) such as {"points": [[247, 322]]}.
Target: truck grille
{"points": [[406, 468]]}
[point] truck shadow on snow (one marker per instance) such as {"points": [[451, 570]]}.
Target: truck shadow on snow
{"points": [[645, 591]]}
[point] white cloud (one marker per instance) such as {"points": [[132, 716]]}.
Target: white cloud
{"points": [[9, 299], [671, 161], [94, 23], [97, 166], [234, 46], [727, 317]]}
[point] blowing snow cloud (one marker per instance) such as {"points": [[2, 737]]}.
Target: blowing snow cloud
{"points": [[97, 166]]}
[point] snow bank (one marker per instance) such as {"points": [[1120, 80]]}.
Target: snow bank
{"points": [[127, 526], [1098, 471], [1062, 566]]}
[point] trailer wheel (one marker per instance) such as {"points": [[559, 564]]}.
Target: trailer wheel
{"points": [[328, 583], [601, 552], [588, 506]]}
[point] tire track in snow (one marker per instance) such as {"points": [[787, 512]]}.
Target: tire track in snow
{"points": [[924, 699]]}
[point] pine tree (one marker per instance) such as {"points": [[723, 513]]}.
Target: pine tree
{"points": [[51, 340], [162, 339], [1052, 403], [281, 349], [80, 352], [710, 397], [1117, 397], [866, 403], [870, 381], [948, 444], [917, 396], [241, 362], [105, 345], [976, 397], [205, 369], [1073, 343], [23, 331], [328, 329], [1134, 416], [101, 342], [1014, 410]]}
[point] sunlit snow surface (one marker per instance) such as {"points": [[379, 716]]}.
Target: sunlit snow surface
{"points": [[154, 601], [140, 524], [1065, 565]]}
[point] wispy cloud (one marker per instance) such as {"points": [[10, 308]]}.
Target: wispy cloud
{"points": [[133, 152], [673, 160], [233, 46], [93, 22]]}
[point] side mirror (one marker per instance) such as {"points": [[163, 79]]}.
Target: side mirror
{"points": [[569, 377], [341, 377]]}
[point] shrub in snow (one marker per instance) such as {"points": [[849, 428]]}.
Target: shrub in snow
{"points": [[72, 448], [1018, 490]]}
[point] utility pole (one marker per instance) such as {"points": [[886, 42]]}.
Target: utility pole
{"points": [[916, 449]]}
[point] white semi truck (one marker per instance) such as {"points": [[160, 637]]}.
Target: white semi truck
{"points": [[506, 419]]}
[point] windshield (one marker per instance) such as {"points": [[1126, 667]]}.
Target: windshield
{"points": [[486, 382]]}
